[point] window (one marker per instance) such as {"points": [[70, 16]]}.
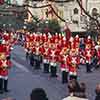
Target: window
{"points": [[94, 12], [75, 11]]}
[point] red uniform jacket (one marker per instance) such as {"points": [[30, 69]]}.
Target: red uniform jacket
{"points": [[98, 55], [42, 50], [4, 66], [47, 53], [72, 64], [64, 66], [88, 55]]}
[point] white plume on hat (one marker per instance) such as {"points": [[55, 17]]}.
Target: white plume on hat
{"points": [[71, 39], [56, 33], [77, 36], [3, 41], [40, 34], [5, 33], [34, 33], [44, 35], [31, 34], [28, 33], [59, 35], [89, 37], [49, 35], [64, 38], [97, 47]]}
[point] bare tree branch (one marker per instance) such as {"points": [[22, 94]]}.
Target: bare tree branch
{"points": [[98, 24]]}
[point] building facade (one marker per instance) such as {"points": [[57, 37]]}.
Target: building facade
{"points": [[69, 10]]}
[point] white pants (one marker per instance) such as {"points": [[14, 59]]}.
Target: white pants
{"points": [[4, 77]]}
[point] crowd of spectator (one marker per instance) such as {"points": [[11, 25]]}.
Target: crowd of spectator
{"points": [[76, 91]]}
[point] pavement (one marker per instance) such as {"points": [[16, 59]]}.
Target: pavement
{"points": [[22, 79]]}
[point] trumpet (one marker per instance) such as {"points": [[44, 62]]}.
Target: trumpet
{"points": [[73, 64], [5, 67]]}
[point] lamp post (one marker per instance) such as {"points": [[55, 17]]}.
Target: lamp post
{"points": [[9, 26], [4, 26], [24, 27]]}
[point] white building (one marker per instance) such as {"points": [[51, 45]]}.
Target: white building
{"points": [[70, 11]]}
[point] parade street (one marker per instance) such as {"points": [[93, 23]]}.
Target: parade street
{"points": [[22, 79]]}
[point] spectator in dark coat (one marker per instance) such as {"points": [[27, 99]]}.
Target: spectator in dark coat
{"points": [[38, 94], [97, 91], [76, 91]]}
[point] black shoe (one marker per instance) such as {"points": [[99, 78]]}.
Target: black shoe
{"points": [[64, 81], [6, 90], [1, 91], [54, 75], [89, 71], [46, 71]]}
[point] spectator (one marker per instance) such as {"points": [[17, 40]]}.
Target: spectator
{"points": [[76, 91], [97, 91], [38, 94], [82, 90], [8, 98]]}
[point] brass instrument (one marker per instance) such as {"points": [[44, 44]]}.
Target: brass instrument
{"points": [[73, 64], [5, 68], [64, 50], [2, 56]]}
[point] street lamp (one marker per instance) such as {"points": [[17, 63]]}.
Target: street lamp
{"points": [[9, 25], [46, 22], [24, 27], [4, 26]]}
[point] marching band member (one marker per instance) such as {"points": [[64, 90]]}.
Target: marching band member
{"points": [[72, 64], [1, 77], [77, 48], [27, 45], [88, 54], [32, 49], [98, 57], [64, 69], [37, 56], [77, 43], [32, 53], [5, 64], [46, 62], [63, 58], [53, 59]]}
